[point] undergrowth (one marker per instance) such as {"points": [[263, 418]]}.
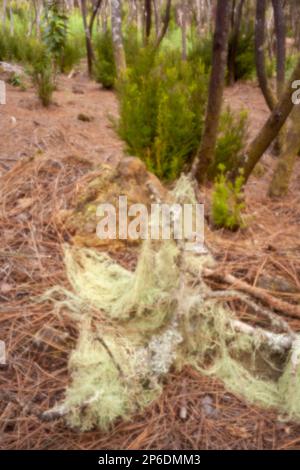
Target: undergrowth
{"points": [[162, 106], [228, 201]]}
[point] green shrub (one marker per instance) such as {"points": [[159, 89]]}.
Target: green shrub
{"points": [[228, 201], [202, 50], [73, 52], [231, 140], [43, 80], [105, 68], [132, 45], [20, 48], [245, 58], [17, 81], [162, 104], [55, 34]]}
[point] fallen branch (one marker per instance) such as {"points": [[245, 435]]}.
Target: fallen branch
{"points": [[275, 319], [285, 308]]}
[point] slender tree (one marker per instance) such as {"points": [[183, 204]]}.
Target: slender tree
{"points": [[88, 39], [166, 22], [88, 29], [148, 20], [237, 12], [284, 169], [260, 26], [116, 23], [280, 30], [271, 128], [206, 153]]}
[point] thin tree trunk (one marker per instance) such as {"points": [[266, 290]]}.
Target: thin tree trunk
{"points": [[104, 16], [206, 153], [4, 14], [182, 17], [11, 20], [166, 22], [156, 17], [116, 23], [199, 18], [96, 7], [271, 128], [260, 26], [281, 178], [234, 41], [88, 41], [148, 20], [132, 14], [280, 31]]}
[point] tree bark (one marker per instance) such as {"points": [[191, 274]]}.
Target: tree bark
{"points": [[271, 128], [116, 22], [260, 25], [166, 22], [234, 41], [88, 29], [280, 32], [206, 153], [88, 41], [4, 14], [148, 20], [96, 8], [281, 178]]}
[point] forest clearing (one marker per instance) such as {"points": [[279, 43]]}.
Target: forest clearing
{"points": [[135, 343]]}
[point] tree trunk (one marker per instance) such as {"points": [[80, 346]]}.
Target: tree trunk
{"points": [[4, 14], [148, 20], [271, 128], [96, 7], [260, 26], [182, 17], [156, 17], [280, 31], [199, 18], [116, 22], [166, 23], [132, 14], [234, 41], [206, 153], [281, 178], [11, 20], [88, 40]]}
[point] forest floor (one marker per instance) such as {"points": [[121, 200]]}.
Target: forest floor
{"points": [[43, 153]]}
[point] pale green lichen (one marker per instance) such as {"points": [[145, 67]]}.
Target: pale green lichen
{"points": [[134, 326]]}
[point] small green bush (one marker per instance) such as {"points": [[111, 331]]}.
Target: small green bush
{"points": [[202, 49], [105, 68], [245, 58], [43, 79], [73, 52], [20, 48], [55, 34], [162, 106], [231, 140], [228, 202]]}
